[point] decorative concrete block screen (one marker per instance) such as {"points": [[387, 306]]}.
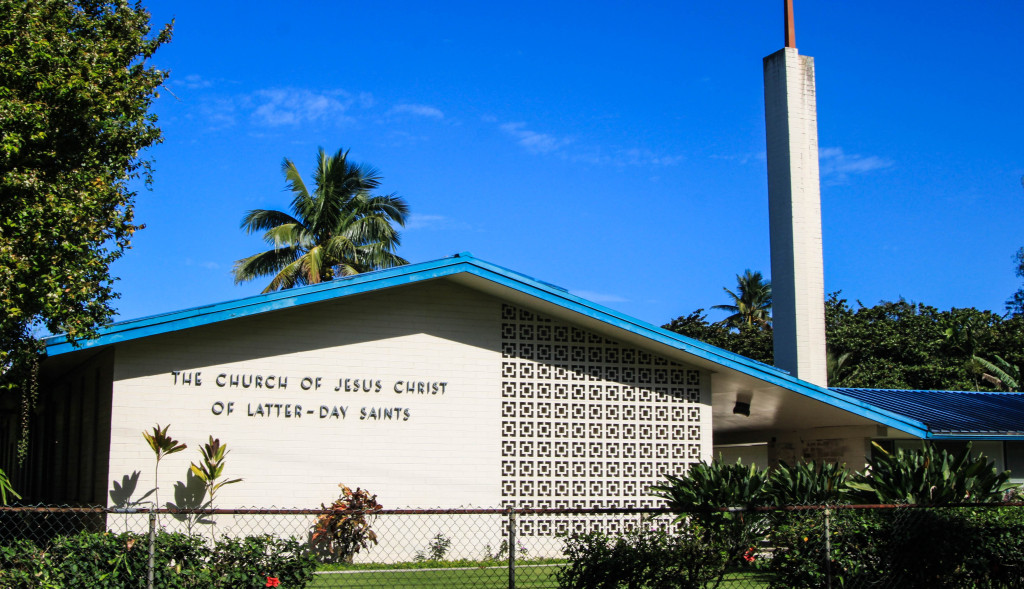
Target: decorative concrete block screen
{"points": [[588, 422]]}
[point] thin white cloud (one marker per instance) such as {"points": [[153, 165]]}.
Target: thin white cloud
{"points": [[567, 149], [208, 265], [219, 112], [743, 158], [533, 141], [836, 165], [624, 157], [422, 221], [638, 157], [277, 107], [192, 82], [599, 297], [417, 221], [420, 110]]}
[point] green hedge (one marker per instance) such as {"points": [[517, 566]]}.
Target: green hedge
{"points": [[930, 548], [115, 561], [942, 547]]}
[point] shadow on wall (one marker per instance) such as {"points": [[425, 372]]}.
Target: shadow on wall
{"points": [[188, 494]]}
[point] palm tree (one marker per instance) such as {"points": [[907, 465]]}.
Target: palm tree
{"points": [[339, 229], [752, 305]]}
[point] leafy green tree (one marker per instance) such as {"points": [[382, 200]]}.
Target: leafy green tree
{"points": [[751, 341], [903, 345], [75, 92], [751, 303], [897, 345], [338, 229]]}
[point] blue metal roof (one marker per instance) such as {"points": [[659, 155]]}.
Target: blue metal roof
{"points": [[465, 263], [952, 414]]}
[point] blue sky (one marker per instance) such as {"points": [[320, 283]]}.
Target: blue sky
{"points": [[619, 153]]}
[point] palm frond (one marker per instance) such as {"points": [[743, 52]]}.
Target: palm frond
{"points": [[290, 276], [288, 234], [373, 229], [296, 186], [264, 264], [262, 220], [315, 268]]}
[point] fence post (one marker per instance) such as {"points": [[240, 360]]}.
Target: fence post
{"points": [[152, 546], [828, 551], [511, 548]]}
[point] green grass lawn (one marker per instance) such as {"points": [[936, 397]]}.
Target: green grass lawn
{"points": [[535, 576], [527, 577]]}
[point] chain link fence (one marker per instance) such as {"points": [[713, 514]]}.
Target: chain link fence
{"points": [[804, 546]]}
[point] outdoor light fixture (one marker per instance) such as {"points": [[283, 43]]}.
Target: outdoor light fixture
{"points": [[742, 406]]}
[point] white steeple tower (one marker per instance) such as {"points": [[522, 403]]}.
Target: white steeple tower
{"points": [[794, 203]]}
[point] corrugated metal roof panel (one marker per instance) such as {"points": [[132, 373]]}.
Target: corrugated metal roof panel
{"points": [[951, 412]]}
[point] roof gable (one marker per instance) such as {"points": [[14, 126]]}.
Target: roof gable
{"points": [[470, 270]]}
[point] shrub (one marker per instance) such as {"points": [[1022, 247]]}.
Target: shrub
{"points": [[115, 561], [436, 549], [936, 548], [928, 477], [799, 558], [808, 483], [344, 530], [651, 559], [247, 562], [23, 565], [706, 489]]}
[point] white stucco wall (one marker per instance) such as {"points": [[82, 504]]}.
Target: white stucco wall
{"points": [[444, 452], [516, 409]]}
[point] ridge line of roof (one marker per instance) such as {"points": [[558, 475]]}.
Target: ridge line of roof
{"points": [[464, 262]]}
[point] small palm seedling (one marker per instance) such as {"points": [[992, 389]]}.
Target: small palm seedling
{"points": [[162, 445], [211, 468]]}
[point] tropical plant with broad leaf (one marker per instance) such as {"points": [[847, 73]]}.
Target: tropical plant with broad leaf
{"points": [[808, 483], [5, 488], [928, 476], [751, 303], [210, 471], [1000, 373], [337, 229], [839, 368], [163, 445], [211, 468], [706, 499]]}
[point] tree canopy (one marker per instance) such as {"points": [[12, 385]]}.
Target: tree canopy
{"points": [[75, 93], [896, 345], [338, 229]]}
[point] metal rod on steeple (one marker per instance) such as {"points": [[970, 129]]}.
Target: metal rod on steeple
{"points": [[790, 29]]}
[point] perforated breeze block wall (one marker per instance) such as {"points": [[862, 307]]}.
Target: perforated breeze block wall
{"points": [[588, 422], [534, 412]]}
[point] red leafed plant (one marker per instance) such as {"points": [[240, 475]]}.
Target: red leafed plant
{"points": [[344, 529]]}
